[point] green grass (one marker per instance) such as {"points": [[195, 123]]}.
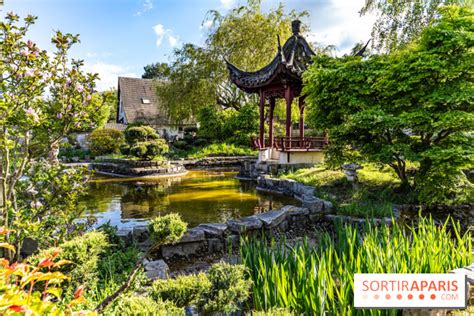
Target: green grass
{"points": [[316, 279], [374, 195], [214, 150]]}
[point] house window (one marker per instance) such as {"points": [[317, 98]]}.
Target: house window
{"points": [[145, 101]]}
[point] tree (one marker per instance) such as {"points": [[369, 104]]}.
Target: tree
{"points": [[399, 22], [411, 106], [246, 36], [42, 98], [159, 71], [110, 98]]}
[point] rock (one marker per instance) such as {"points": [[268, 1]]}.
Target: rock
{"points": [[233, 241], [272, 218], [213, 229], [295, 210], [140, 233], [193, 248], [315, 205], [29, 247], [244, 224], [327, 206], [214, 245], [307, 190], [193, 235], [157, 269], [172, 250]]}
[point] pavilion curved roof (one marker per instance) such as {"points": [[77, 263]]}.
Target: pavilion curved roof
{"points": [[288, 65]]}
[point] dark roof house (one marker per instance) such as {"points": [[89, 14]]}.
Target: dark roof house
{"points": [[138, 102]]}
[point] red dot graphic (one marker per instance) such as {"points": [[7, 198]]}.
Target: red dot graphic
{"points": [[376, 296], [422, 296], [410, 296], [433, 296], [387, 296], [399, 296]]}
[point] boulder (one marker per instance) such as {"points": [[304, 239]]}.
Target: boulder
{"points": [[244, 224], [215, 245], [272, 218], [193, 235], [157, 269], [213, 229], [169, 251]]}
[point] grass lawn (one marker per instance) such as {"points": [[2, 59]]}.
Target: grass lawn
{"points": [[213, 150], [374, 195]]}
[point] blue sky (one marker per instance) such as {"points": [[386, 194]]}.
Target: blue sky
{"points": [[119, 37]]}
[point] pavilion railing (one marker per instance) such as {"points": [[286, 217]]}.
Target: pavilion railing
{"points": [[292, 143]]}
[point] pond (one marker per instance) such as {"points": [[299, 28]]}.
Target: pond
{"points": [[200, 197]]}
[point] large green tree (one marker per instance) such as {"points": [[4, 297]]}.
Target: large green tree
{"points": [[411, 106], [399, 22], [246, 36]]}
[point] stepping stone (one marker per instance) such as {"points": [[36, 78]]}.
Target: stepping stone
{"points": [[272, 218], [213, 229]]}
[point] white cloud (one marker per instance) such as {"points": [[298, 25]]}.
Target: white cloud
{"points": [[227, 4], [147, 5], [108, 74], [173, 41], [98, 55], [161, 33], [345, 29]]}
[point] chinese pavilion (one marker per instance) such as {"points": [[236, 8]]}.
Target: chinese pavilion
{"points": [[282, 78]]}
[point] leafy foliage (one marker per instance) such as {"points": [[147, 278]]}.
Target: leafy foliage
{"points": [[400, 22], [160, 71], [145, 143], [35, 289], [167, 229], [106, 141], [413, 105], [85, 252], [142, 305], [183, 290], [229, 288]]}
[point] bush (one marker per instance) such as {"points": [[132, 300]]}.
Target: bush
{"points": [[106, 141], [181, 144], [182, 291], [229, 288], [149, 150], [142, 305], [84, 251], [167, 229], [140, 134]]}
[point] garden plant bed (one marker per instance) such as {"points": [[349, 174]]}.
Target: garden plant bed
{"points": [[137, 168]]}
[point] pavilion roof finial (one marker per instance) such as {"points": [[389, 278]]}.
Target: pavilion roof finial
{"points": [[296, 27]]}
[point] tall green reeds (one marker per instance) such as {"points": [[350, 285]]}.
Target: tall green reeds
{"points": [[318, 279]]}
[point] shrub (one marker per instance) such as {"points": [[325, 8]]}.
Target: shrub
{"points": [[106, 141], [180, 144], [167, 229], [229, 288], [273, 312], [142, 305], [182, 291], [140, 134], [84, 251]]}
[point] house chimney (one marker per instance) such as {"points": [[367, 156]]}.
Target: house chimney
{"points": [[295, 27]]}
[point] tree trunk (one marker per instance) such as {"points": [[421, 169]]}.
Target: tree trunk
{"points": [[54, 152]]}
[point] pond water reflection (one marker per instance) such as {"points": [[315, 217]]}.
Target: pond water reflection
{"points": [[200, 197]]}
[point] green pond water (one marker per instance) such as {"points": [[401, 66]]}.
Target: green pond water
{"points": [[200, 197]]}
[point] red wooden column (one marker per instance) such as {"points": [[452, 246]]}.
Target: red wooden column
{"points": [[262, 121], [289, 100], [301, 124], [270, 118]]}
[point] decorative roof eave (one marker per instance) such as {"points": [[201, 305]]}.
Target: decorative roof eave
{"points": [[288, 65]]}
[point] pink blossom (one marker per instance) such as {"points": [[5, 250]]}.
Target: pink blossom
{"points": [[30, 44], [36, 204], [12, 14], [59, 116], [24, 53], [79, 88], [68, 81], [33, 114], [29, 72], [88, 97], [69, 107]]}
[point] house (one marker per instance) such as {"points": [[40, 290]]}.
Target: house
{"points": [[138, 102]]}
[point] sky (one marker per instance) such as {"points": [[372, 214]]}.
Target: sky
{"points": [[120, 37]]}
